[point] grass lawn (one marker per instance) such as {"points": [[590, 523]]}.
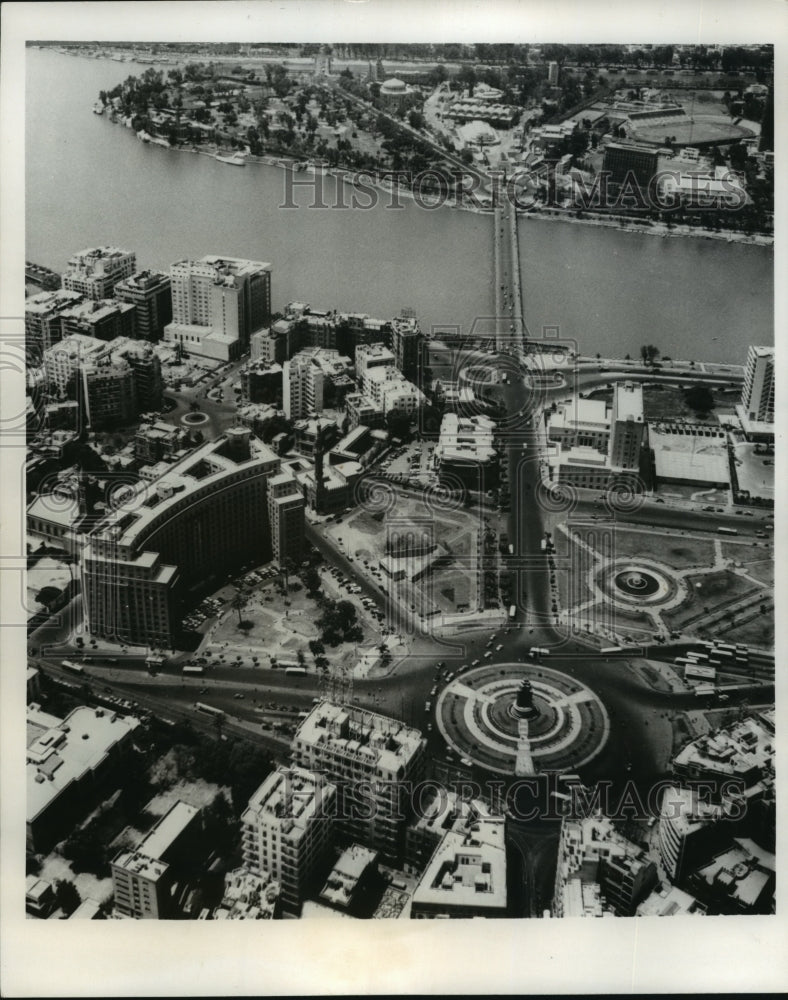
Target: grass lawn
{"points": [[679, 552], [664, 403]]}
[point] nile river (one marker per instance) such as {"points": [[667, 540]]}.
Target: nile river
{"points": [[90, 182]]}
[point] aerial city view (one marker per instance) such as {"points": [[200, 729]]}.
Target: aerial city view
{"points": [[399, 506]]}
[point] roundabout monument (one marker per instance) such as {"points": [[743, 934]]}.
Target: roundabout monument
{"points": [[522, 719]]}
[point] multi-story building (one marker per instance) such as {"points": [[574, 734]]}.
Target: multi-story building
{"points": [[372, 357], [143, 878], [149, 292], [737, 760], [362, 411], [156, 441], [314, 432], [593, 446], [62, 361], [756, 411], [739, 880], [286, 507], [627, 427], [288, 830], [108, 393], [146, 366], [44, 322], [466, 451], [206, 516], [70, 763], [638, 163], [217, 304], [466, 876], [406, 342], [373, 760], [95, 272], [445, 812], [103, 319], [591, 850], [688, 829], [248, 896], [263, 382], [392, 392], [302, 387]]}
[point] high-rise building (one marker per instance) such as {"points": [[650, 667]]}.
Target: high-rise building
{"points": [[143, 879], [286, 507], [552, 73], [373, 760], [146, 365], [688, 828], [288, 830], [638, 163], [149, 292], [627, 427], [757, 399], [302, 387], [205, 517], [406, 342], [95, 272], [108, 393], [217, 304]]}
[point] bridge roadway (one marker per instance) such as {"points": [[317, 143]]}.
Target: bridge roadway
{"points": [[510, 328]]}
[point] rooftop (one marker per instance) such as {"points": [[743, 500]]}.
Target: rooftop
{"points": [[467, 869], [290, 798], [61, 752], [376, 740]]}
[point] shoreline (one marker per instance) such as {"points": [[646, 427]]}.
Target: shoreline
{"points": [[622, 224]]}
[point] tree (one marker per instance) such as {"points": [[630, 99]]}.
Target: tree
{"points": [[239, 603], [67, 896], [699, 398], [649, 353]]}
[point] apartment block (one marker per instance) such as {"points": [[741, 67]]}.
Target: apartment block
{"points": [[96, 271], [288, 830], [150, 294], [373, 760]]}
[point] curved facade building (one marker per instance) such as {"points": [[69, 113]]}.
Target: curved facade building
{"points": [[206, 516]]}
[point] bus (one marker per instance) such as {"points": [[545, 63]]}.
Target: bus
{"points": [[704, 689], [697, 672], [296, 671], [611, 649], [727, 531], [75, 668], [700, 657], [193, 670], [536, 651], [512, 610], [208, 709], [725, 647]]}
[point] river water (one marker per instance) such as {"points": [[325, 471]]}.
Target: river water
{"points": [[89, 182]]}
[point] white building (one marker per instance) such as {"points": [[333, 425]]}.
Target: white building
{"points": [[466, 876], [373, 759], [288, 828], [94, 272], [757, 400], [302, 387], [61, 361], [372, 357], [217, 304]]}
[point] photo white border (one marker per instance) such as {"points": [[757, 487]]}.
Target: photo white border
{"points": [[124, 958]]}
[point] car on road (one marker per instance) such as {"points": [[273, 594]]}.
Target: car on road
{"points": [[475, 663]]}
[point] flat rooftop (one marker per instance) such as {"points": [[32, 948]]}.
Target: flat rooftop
{"points": [[467, 869]]}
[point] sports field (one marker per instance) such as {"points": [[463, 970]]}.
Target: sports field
{"points": [[690, 131]]}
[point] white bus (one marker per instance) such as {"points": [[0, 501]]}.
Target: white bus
{"points": [[512, 610], [208, 709], [296, 671], [192, 670], [73, 667], [697, 672]]}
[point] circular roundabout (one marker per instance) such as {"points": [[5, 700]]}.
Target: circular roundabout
{"points": [[643, 583], [509, 717]]}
